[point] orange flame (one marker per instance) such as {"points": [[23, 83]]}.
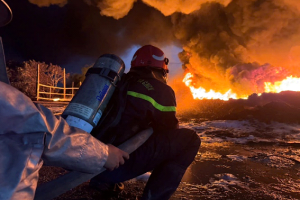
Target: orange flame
{"points": [[290, 83], [200, 93]]}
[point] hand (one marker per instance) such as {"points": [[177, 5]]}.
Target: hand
{"points": [[115, 157]]}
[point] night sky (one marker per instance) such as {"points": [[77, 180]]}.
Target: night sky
{"points": [[76, 34]]}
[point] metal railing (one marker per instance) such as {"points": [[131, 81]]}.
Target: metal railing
{"points": [[52, 93], [56, 95]]}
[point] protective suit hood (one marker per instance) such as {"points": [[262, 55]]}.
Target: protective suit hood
{"points": [[5, 13]]}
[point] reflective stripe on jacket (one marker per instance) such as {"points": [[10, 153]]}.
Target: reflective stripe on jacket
{"points": [[152, 101], [149, 102]]}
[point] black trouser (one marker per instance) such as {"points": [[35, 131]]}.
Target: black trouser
{"points": [[166, 154]]}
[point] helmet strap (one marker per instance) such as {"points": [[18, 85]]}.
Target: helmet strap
{"points": [[160, 74]]}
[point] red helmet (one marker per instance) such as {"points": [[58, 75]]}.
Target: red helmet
{"points": [[150, 56]]}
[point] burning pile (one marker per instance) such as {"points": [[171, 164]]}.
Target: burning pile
{"points": [[200, 93], [289, 84], [243, 48]]}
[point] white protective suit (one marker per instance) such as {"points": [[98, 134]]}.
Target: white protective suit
{"points": [[31, 135]]}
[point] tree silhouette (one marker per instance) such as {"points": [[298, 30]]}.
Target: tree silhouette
{"points": [[77, 78], [23, 76]]}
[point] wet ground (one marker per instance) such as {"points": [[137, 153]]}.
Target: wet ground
{"points": [[244, 160], [238, 159]]}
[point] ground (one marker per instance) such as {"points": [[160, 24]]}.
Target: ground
{"points": [[237, 160], [250, 152], [133, 189]]}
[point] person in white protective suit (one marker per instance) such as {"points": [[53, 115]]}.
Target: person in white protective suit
{"points": [[31, 135]]}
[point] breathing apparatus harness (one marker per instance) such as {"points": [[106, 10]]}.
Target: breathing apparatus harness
{"points": [[116, 106]]}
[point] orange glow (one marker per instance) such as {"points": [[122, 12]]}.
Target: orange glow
{"points": [[201, 93], [290, 83]]}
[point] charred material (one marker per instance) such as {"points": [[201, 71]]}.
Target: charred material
{"points": [[281, 107]]}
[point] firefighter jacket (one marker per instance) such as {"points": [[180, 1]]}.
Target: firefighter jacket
{"points": [[149, 102], [31, 135]]}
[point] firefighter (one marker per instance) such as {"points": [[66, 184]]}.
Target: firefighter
{"points": [[31, 135], [150, 102]]}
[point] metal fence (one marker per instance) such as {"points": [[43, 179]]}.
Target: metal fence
{"points": [[54, 93], [51, 93]]}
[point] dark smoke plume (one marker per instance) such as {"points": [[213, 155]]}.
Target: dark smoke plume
{"points": [[60, 34], [227, 44]]}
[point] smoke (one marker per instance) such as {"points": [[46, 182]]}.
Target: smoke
{"points": [[250, 78], [61, 35], [119, 9], [115, 8], [227, 44], [49, 2], [168, 7]]}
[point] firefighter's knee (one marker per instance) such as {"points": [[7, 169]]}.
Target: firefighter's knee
{"points": [[192, 137]]}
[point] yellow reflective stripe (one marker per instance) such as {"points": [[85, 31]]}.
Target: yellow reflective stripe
{"points": [[152, 101]]}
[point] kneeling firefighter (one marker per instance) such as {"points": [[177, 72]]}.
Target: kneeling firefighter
{"points": [[31, 135], [144, 99]]}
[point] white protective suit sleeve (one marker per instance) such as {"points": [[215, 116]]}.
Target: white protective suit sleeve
{"points": [[31, 134]]}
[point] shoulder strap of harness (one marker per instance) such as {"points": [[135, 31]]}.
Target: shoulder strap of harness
{"points": [[114, 110]]}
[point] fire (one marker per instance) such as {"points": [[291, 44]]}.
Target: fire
{"points": [[290, 83], [201, 93]]}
